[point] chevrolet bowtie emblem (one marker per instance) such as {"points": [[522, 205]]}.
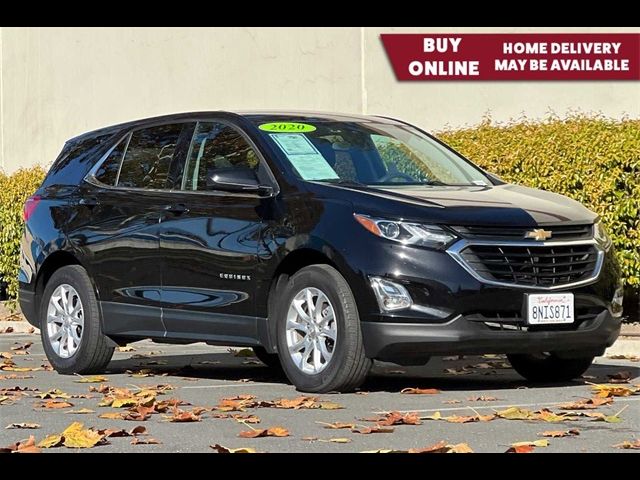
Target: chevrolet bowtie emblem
{"points": [[538, 234]]}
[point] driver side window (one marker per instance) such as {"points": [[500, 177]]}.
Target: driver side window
{"points": [[217, 146]]}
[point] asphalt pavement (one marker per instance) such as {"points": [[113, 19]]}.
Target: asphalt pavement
{"points": [[201, 376]]}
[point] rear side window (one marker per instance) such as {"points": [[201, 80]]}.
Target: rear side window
{"points": [[148, 157], [107, 173], [216, 146]]}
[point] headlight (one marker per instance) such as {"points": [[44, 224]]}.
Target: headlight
{"points": [[600, 235], [407, 233]]}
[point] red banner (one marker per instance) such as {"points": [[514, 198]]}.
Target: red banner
{"points": [[530, 56]]}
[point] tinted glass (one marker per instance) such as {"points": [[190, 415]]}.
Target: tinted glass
{"points": [[216, 146], [371, 153], [148, 157], [107, 173]]}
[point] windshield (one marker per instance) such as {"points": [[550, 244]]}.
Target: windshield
{"points": [[368, 153]]}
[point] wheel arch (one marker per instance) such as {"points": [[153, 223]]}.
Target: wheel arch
{"points": [[51, 264]]}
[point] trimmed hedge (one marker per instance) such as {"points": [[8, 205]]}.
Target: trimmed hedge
{"points": [[594, 160], [14, 191]]}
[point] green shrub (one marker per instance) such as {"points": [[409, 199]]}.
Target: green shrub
{"points": [[14, 191], [594, 160]]}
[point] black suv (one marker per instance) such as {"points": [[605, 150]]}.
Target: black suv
{"points": [[323, 241]]}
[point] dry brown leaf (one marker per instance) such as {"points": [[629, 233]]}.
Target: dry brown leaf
{"points": [[420, 391], [145, 441], [296, 403], [520, 449], [126, 348], [482, 398], [246, 418], [547, 415], [469, 419], [443, 447], [515, 413], [533, 443], [397, 418], [81, 411], [451, 402], [237, 404], [620, 377], [28, 426], [92, 379], [375, 429], [613, 390], [53, 394], [21, 347], [112, 415], [5, 400], [587, 403], [55, 405], [560, 433], [220, 449], [168, 404], [633, 358], [23, 446], [76, 436], [324, 405], [51, 441], [6, 330], [337, 425], [629, 445], [7, 355], [184, 416], [460, 448], [14, 376], [265, 432]]}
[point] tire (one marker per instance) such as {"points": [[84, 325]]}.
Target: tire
{"points": [[94, 350], [549, 367], [271, 360], [347, 366]]}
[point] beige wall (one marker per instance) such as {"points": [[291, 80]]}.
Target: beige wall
{"points": [[58, 82]]}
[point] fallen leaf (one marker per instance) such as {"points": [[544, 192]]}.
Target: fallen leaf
{"points": [[613, 390], [520, 449], [18, 347], [337, 425], [51, 441], [534, 443], [6, 355], [166, 405], [620, 377], [296, 403], [145, 441], [397, 418], [28, 426], [126, 348], [183, 416], [629, 445], [5, 400], [265, 432], [328, 405], [23, 446], [246, 418], [587, 403], [451, 402], [6, 330], [375, 429], [13, 376], [469, 419], [560, 433], [420, 391], [92, 379], [384, 450], [76, 436], [515, 413], [335, 440], [547, 415], [53, 393], [55, 405], [243, 352], [220, 449], [81, 411], [457, 371], [236, 404], [435, 416], [443, 447], [482, 399], [112, 416], [460, 448], [633, 358]]}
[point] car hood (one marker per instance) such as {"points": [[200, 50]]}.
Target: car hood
{"points": [[470, 205]]}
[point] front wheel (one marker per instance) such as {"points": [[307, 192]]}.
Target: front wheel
{"points": [[318, 332], [548, 367], [70, 324]]}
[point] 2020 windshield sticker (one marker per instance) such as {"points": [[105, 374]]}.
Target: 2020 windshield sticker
{"points": [[293, 127], [305, 158]]}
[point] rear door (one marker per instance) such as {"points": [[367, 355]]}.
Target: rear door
{"points": [[117, 227], [210, 242]]}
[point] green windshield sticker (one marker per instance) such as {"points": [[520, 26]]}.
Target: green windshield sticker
{"points": [[305, 158], [283, 127]]}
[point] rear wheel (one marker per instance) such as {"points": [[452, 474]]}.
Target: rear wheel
{"points": [[70, 324], [318, 332], [548, 367]]}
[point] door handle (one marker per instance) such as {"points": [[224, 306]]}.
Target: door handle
{"points": [[89, 202], [177, 209]]}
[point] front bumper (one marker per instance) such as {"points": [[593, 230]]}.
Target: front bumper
{"points": [[402, 342]]}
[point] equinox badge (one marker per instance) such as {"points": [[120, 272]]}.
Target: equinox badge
{"points": [[539, 234]]}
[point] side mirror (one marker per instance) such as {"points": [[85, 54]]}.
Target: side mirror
{"points": [[236, 179]]}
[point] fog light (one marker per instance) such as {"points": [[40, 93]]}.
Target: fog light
{"points": [[616, 302], [391, 296]]}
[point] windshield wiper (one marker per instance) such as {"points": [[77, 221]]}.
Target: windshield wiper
{"points": [[344, 183]]}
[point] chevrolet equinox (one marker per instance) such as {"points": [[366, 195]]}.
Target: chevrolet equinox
{"points": [[322, 241]]}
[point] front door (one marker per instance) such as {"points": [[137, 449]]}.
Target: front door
{"points": [[210, 242]]}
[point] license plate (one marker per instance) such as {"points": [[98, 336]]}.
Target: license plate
{"points": [[549, 308]]}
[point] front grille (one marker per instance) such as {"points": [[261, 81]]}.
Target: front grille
{"points": [[535, 265], [561, 232]]}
